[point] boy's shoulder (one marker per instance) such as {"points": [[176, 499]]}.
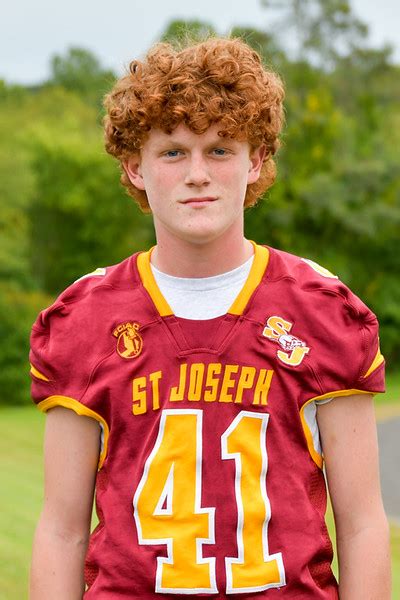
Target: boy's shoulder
{"points": [[312, 286], [88, 287], [309, 305], [76, 332], [92, 294], [303, 271]]}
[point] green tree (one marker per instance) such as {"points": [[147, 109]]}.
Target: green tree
{"points": [[80, 71], [18, 309], [48, 219], [179, 30], [263, 42], [319, 31], [80, 217]]}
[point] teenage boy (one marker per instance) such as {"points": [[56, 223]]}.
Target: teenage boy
{"points": [[209, 378]]}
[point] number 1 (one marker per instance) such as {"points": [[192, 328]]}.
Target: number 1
{"points": [[254, 569]]}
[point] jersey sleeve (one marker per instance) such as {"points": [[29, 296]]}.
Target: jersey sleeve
{"points": [[371, 377], [352, 362], [53, 356], [340, 333], [345, 356], [63, 363]]}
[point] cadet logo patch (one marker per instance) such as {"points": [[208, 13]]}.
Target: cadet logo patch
{"points": [[129, 340], [293, 349]]}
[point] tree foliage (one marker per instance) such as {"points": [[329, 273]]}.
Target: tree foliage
{"points": [[80, 71], [336, 200], [80, 218], [179, 31], [320, 31]]}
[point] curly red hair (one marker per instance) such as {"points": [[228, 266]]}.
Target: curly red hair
{"points": [[214, 81]]}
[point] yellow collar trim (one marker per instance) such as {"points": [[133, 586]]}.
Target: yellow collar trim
{"points": [[149, 283], [260, 263], [258, 268]]}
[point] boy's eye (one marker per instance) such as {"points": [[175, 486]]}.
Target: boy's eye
{"points": [[220, 151], [172, 153]]}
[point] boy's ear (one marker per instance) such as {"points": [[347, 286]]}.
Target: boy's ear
{"points": [[257, 157], [132, 167]]}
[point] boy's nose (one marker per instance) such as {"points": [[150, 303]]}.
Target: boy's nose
{"points": [[197, 173]]}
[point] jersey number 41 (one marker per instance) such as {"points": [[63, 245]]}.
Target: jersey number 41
{"points": [[167, 506]]}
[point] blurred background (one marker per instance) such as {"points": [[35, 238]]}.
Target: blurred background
{"points": [[63, 212]]}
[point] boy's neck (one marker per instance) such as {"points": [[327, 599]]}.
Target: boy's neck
{"points": [[182, 259]]}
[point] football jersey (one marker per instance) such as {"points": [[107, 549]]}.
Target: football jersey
{"points": [[210, 476]]}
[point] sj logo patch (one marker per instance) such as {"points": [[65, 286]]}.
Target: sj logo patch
{"points": [[293, 349], [129, 340]]}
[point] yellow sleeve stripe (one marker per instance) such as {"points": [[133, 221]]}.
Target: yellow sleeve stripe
{"points": [[149, 283], [80, 409], [316, 456], [260, 263], [378, 360], [339, 393], [38, 374]]}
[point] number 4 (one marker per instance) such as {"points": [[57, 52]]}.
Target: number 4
{"points": [[167, 506]]}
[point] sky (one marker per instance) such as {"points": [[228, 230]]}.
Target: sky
{"points": [[120, 30]]}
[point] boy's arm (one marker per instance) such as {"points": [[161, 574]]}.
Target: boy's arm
{"points": [[349, 441], [71, 452]]}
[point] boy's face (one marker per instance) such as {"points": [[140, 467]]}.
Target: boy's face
{"points": [[195, 184]]}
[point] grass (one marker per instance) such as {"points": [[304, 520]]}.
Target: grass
{"points": [[21, 433]]}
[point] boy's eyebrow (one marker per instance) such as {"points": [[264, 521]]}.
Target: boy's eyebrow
{"points": [[169, 141], [217, 141]]}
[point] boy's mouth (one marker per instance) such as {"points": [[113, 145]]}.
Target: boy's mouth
{"points": [[199, 200]]}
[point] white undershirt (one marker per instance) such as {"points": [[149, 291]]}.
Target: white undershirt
{"points": [[202, 297]]}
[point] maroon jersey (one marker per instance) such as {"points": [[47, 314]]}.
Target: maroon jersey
{"points": [[210, 478]]}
